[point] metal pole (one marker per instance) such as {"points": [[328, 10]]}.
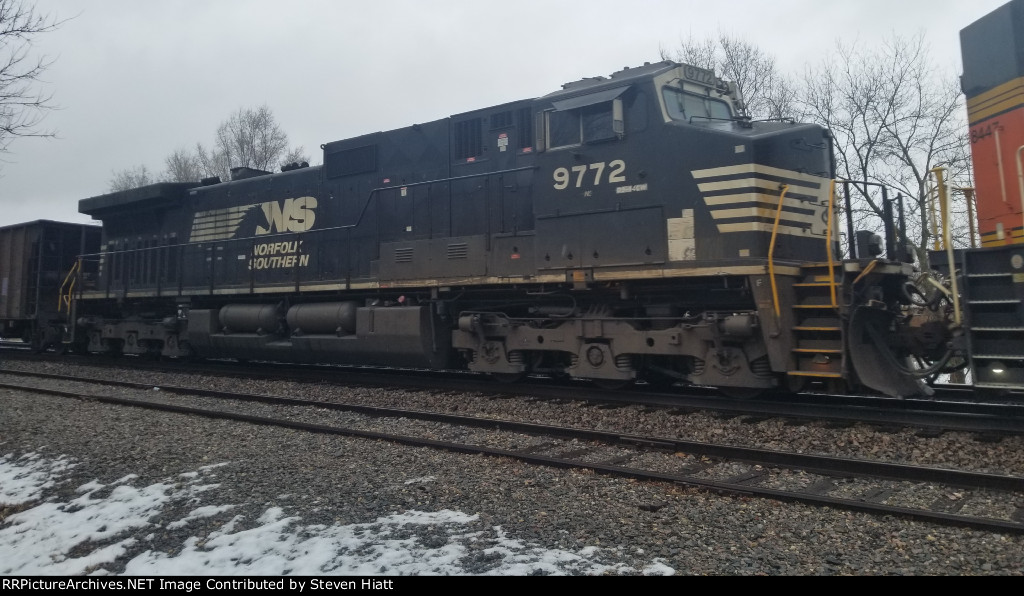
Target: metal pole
{"points": [[1020, 180], [971, 213], [890, 229], [948, 241], [850, 240], [771, 250]]}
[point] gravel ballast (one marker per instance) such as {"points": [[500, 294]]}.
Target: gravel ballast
{"points": [[627, 527]]}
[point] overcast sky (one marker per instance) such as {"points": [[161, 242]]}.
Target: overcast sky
{"points": [[137, 80]]}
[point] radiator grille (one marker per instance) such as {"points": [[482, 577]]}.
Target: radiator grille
{"points": [[403, 255], [459, 250]]}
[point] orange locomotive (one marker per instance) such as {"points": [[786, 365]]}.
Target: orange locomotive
{"points": [[993, 81], [993, 276]]}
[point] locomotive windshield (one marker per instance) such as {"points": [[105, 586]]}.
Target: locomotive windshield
{"points": [[685, 106]]}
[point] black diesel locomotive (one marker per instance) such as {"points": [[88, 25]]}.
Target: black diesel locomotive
{"points": [[632, 227]]}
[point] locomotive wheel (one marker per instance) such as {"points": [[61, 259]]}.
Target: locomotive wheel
{"points": [[112, 348], [611, 384], [43, 338], [660, 382], [741, 392], [795, 384], [506, 378], [78, 347], [36, 339]]}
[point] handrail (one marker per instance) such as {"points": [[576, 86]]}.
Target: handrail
{"points": [[893, 230], [947, 239], [379, 189], [828, 242], [932, 195], [972, 210], [362, 213], [867, 270], [1020, 179], [65, 299], [771, 250]]}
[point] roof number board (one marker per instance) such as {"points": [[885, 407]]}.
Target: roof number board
{"points": [[699, 75]]}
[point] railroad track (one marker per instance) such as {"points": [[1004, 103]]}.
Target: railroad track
{"points": [[991, 419], [991, 502]]}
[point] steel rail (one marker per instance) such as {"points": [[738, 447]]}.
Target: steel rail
{"points": [[1004, 419], [812, 463], [989, 524]]}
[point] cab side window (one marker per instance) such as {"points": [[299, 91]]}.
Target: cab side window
{"points": [[597, 123], [584, 125], [564, 129]]}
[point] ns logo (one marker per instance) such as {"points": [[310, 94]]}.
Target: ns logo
{"points": [[294, 215]]}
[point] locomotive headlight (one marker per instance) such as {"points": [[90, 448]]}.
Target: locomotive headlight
{"points": [[1017, 261], [997, 367]]}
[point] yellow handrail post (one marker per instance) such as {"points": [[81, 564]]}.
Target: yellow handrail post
{"points": [[947, 239], [1020, 181], [771, 251], [972, 209], [72, 277], [932, 217], [828, 241]]}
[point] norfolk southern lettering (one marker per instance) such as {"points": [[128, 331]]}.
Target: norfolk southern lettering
{"points": [[278, 255], [295, 215]]}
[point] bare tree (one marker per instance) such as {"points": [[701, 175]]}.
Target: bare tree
{"points": [[702, 53], [132, 178], [296, 155], [894, 119], [22, 104], [250, 138], [768, 93], [213, 162], [183, 166]]}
